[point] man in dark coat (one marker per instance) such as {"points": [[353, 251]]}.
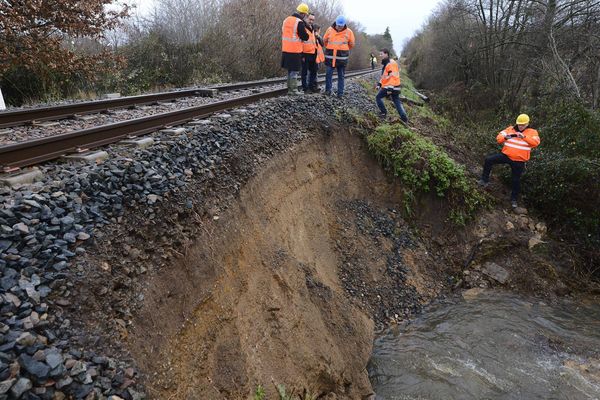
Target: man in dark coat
{"points": [[293, 34]]}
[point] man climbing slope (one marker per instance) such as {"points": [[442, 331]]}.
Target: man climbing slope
{"points": [[517, 143]]}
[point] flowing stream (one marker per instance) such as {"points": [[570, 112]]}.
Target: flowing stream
{"points": [[492, 345]]}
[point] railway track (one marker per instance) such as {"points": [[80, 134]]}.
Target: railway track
{"points": [[31, 152], [38, 114]]}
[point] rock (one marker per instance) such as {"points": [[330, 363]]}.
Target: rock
{"points": [[6, 385], [36, 368], [535, 240], [78, 368], [22, 385], [21, 227], [520, 211], [152, 198], [510, 226], [26, 339], [471, 294], [59, 396], [54, 359], [83, 236], [495, 272], [541, 228]]}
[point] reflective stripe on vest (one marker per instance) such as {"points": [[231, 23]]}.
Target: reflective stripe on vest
{"points": [[337, 46], [310, 46], [518, 149], [290, 42]]}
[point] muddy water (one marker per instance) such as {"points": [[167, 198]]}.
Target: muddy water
{"points": [[492, 346]]}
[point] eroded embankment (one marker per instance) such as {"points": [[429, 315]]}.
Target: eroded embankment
{"points": [[280, 289]]}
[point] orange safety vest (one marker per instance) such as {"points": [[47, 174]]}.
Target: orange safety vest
{"points": [[309, 46], [338, 45], [320, 54], [518, 149], [290, 42], [390, 78]]}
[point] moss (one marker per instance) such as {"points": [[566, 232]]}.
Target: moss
{"points": [[422, 167]]}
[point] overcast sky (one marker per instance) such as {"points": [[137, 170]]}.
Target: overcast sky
{"points": [[403, 17]]}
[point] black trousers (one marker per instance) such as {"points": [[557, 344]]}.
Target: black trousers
{"points": [[517, 169], [309, 72]]}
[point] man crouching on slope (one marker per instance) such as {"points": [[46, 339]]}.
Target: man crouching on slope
{"points": [[518, 141]]}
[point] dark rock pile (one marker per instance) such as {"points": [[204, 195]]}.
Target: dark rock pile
{"points": [[45, 226]]}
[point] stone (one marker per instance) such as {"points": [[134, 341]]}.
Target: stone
{"points": [[26, 339], [152, 198], [495, 272], [520, 211], [36, 368], [83, 236], [54, 359], [6, 385], [173, 131], [535, 240], [21, 227], [510, 226], [22, 385], [78, 368]]}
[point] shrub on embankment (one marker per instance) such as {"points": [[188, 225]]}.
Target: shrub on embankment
{"points": [[423, 167]]}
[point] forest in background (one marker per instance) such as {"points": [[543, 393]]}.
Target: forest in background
{"points": [[489, 60], [56, 50]]}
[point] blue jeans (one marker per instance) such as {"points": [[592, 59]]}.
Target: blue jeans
{"points": [[395, 98], [341, 71]]}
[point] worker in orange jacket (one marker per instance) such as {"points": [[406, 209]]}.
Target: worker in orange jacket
{"points": [[309, 58], [517, 143], [338, 40], [293, 33], [389, 85]]}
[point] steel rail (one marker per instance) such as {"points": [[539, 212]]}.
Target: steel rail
{"points": [[27, 153], [21, 117]]}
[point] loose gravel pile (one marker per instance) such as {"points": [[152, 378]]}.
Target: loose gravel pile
{"points": [[45, 227]]}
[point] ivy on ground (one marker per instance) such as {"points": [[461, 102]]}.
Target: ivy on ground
{"points": [[423, 167]]}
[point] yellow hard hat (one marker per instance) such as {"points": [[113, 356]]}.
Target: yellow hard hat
{"points": [[303, 8], [523, 119]]}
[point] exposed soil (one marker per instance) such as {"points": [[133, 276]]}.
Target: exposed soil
{"points": [[265, 290], [287, 277]]}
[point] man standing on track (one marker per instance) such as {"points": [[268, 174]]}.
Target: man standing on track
{"points": [[338, 40], [293, 33], [309, 58], [517, 143], [389, 84]]}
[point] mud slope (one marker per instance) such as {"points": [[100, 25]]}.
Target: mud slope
{"points": [[259, 297]]}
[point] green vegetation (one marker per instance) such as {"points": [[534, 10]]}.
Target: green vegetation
{"points": [[423, 167], [260, 393], [283, 395]]}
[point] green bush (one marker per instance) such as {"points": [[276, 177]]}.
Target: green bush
{"points": [[423, 167], [563, 178]]}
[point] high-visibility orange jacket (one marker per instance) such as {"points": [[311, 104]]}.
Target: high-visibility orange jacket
{"points": [[320, 54], [309, 46], [390, 79], [518, 149], [290, 42], [338, 45]]}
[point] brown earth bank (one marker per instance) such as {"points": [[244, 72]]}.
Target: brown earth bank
{"points": [[285, 281]]}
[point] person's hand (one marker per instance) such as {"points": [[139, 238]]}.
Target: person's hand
{"points": [[520, 135]]}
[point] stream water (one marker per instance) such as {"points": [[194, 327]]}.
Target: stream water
{"points": [[492, 346]]}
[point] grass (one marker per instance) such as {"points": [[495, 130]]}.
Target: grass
{"points": [[422, 167]]}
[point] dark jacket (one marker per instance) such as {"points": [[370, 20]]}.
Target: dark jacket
{"points": [[293, 61]]}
